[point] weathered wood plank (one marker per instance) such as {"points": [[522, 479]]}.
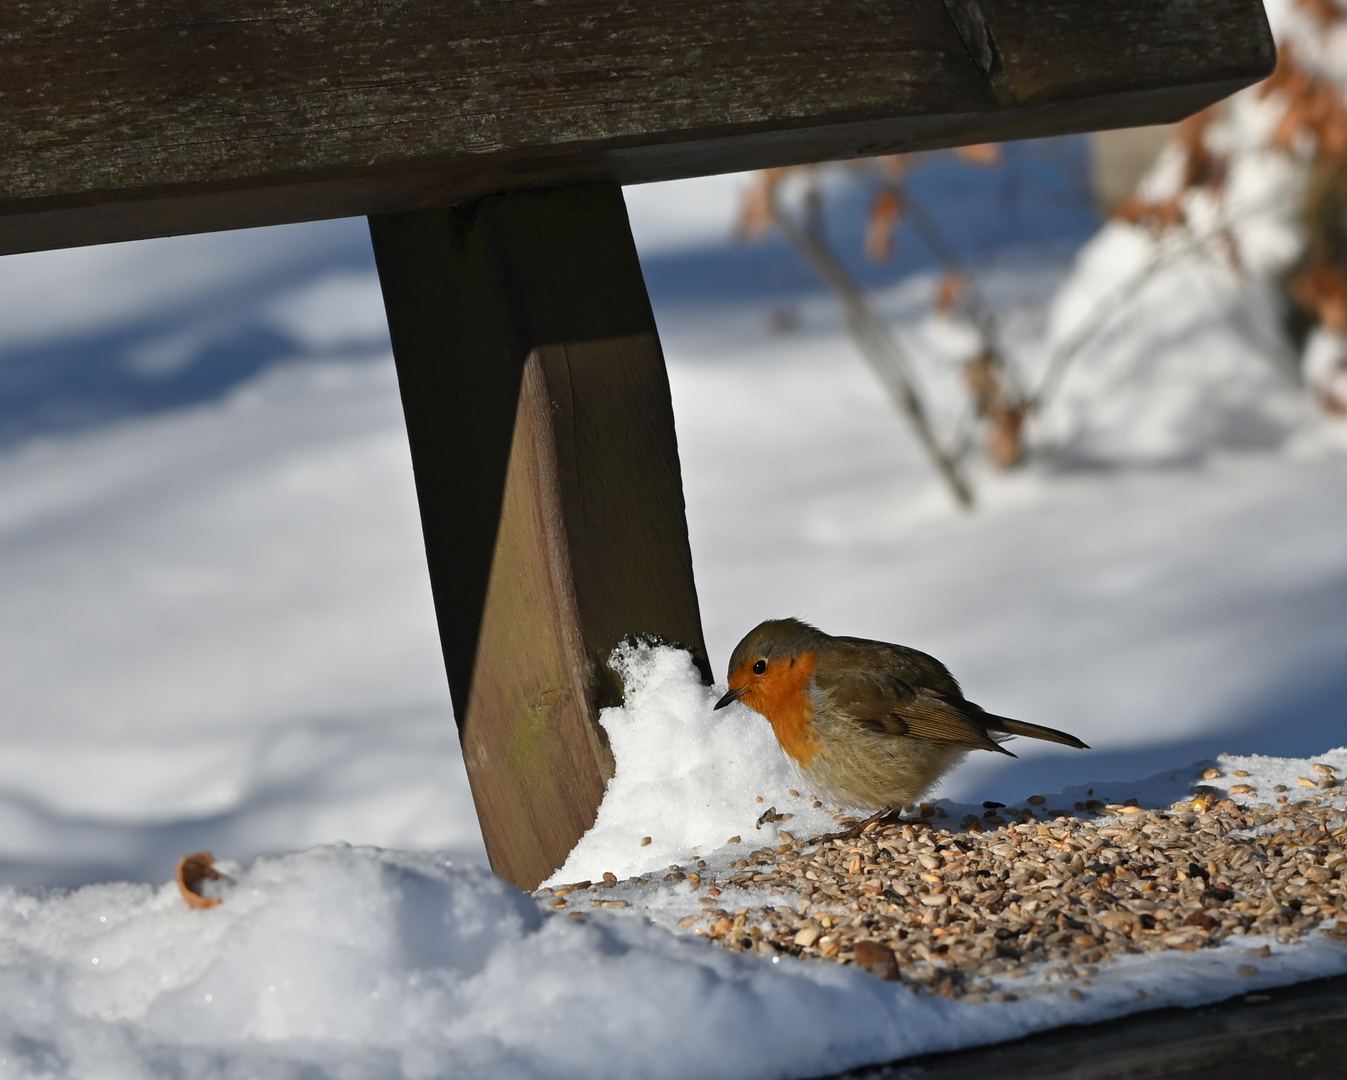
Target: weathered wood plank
{"points": [[536, 400], [1296, 1031], [122, 120]]}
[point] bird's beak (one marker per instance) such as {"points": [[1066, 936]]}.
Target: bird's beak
{"points": [[731, 696]]}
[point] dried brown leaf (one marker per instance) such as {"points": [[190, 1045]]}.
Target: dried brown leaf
{"points": [[885, 213], [192, 871], [949, 292], [1322, 290], [1326, 11], [980, 153], [757, 211]]}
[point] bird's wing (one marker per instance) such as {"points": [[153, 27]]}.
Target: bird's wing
{"points": [[893, 706]]}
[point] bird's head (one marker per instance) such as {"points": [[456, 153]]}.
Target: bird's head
{"points": [[775, 659]]}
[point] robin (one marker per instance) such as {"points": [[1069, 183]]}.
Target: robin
{"points": [[870, 725]]}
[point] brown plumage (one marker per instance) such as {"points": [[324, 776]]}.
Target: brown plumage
{"points": [[871, 725]]}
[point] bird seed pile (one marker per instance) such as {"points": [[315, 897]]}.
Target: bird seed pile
{"points": [[958, 913]]}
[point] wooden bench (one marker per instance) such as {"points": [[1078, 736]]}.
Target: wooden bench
{"points": [[486, 140], [1295, 1031]]}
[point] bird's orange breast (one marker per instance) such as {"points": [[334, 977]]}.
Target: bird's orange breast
{"points": [[782, 697]]}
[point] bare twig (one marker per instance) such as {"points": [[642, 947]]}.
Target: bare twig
{"points": [[1184, 243], [979, 310], [877, 345], [997, 389], [1100, 314]]}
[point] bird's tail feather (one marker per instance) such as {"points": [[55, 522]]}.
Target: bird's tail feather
{"points": [[1032, 731]]}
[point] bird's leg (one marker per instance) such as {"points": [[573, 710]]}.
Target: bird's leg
{"points": [[877, 816], [854, 831]]}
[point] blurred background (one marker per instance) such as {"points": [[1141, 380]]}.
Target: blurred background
{"points": [[1067, 414]]}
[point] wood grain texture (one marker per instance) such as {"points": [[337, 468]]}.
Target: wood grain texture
{"points": [[530, 739], [120, 120], [542, 436]]}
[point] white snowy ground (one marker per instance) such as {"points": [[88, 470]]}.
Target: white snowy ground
{"points": [[216, 632], [361, 962]]}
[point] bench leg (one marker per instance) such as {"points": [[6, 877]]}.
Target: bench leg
{"points": [[542, 437]]}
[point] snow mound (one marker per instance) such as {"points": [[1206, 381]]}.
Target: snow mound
{"points": [[355, 962], [1168, 383], [688, 776], [1170, 340]]}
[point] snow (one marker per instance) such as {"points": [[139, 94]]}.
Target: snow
{"points": [[361, 962], [676, 751], [216, 633]]}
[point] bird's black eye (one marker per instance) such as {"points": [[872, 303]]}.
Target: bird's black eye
{"points": [[759, 667]]}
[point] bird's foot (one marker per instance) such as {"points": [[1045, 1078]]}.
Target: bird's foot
{"points": [[853, 831]]}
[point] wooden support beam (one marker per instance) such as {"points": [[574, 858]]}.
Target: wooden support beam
{"points": [[542, 437], [123, 120]]}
